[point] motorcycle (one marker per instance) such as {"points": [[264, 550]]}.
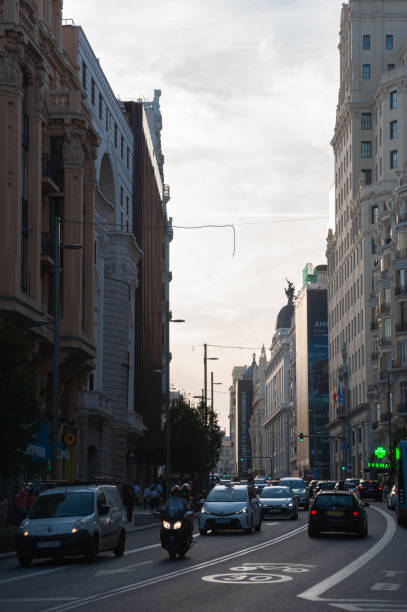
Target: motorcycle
{"points": [[175, 532]]}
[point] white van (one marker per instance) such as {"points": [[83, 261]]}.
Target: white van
{"points": [[73, 520]]}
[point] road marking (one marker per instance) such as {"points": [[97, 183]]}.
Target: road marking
{"points": [[247, 578], [143, 548], [270, 524], [392, 573], [385, 586], [36, 599], [289, 568], [315, 592], [170, 575], [121, 570], [29, 574]]}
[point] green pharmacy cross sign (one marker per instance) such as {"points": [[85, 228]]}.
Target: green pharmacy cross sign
{"points": [[380, 452]]}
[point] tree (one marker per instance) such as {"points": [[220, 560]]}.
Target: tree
{"points": [[194, 445], [19, 414]]}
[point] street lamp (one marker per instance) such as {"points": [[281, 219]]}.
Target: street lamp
{"points": [[169, 320], [212, 413], [57, 280]]}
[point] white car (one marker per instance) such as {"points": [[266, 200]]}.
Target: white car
{"points": [[73, 520], [228, 507]]}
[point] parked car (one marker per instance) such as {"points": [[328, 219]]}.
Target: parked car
{"points": [[392, 498], [338, 511], [230, 507], [278, 501], [370, 489], [73, 520], [299, 488]]}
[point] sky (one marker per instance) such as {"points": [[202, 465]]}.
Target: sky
{"points": [[249, 93]]}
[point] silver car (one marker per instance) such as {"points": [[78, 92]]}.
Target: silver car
{"points": [[230, 507], [278, 501], [73, 520], [299, 488]]}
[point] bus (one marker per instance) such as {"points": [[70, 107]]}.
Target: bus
{"points": [[401, 504]]}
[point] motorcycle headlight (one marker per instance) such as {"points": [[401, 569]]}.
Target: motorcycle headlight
{"points": [[166, 525], [243, 510], [177, 525], [290, 505]]}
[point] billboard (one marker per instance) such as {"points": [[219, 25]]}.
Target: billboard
{"points": [[244, 397]]}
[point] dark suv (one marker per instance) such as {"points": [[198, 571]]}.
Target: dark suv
{"points": [[370, 489]]}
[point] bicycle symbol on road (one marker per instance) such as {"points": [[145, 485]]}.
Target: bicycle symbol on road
{"points": [[248, 573]]}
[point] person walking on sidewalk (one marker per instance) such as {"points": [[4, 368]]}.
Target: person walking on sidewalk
{"points": [[128, 496]]}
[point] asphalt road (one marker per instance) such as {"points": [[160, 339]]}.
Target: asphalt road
{"points": [[279, 569]]}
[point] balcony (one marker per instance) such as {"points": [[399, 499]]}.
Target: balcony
{"points": [[402, 217], [401, 410], [400, 290], [64, 102], [373, 325], [385, 341], [401, 253], [95, 404], [401, 327], [49, 175], [384, 308], [375, 425], [47, 250]]}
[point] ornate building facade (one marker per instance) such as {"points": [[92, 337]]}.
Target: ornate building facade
{"points": [[48, 150]]}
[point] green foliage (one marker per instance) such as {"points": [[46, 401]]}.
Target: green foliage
{"points": [[195, 446], [19, 417]]}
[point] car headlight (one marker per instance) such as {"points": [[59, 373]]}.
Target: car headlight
{"points": [[24, 526], [79, 526], [166, 525], [177, 525], [243, 510], [204, 510]]}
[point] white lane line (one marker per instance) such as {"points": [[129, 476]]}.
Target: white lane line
{"points": [[43, 572], [36, 599], [271, 524], [170, 575], [315, 592], [143, 548]]}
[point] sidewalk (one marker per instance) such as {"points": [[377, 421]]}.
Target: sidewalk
{"points": [[142, 519]]}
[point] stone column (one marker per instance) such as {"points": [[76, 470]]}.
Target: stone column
{"points": [[11, 97]]}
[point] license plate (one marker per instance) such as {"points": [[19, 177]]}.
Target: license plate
{"points": [[274, 511], [222, 520], [51, 544], [334, 513]]}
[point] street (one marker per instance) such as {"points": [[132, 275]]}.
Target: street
{"points": [[280, 566]]}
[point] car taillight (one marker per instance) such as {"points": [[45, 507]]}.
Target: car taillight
{"points": [[313, 511], [360, 488], [380, 488], [355, 513]]}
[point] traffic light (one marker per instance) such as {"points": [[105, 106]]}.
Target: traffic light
{"points": [[343, 468], [301, 436], [241, 458]]}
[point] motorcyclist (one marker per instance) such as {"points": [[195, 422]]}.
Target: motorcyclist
{"points": [[340, 486]]}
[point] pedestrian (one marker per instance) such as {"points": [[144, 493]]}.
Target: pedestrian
{"points": [[3, 510], [155, 498], [146, 496], [128, 499], [19, 503], [29, 497], [137, 492]]}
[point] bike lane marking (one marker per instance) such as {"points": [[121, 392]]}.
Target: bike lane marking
{"points": [[247, 573], [314, 593], [170, 575]]}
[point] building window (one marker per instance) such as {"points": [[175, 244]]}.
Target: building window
{"points": [[389, 41], [84, 75], [366, 176], [393, 129], [122, 147], [107, 119], [127, 205], [366, 71], [93, 92], [390, 66], [366, 148], [115, 135], [121, 196], [366, 42], [366, 121], [393, 99], [403, 392], [393, 159], [128, 158], [100, 106]]}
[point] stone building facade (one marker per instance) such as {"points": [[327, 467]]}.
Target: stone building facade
{"points": [[47, 156], [369, 145]]}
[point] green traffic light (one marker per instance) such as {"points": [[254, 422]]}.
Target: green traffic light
{"points": [[343, 468], [241, 458], [397, 454]]}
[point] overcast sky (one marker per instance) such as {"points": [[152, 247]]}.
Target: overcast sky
{"points": [[249, 92]]}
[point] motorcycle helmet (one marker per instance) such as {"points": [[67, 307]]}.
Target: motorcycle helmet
{"points": [[175, 490]]}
